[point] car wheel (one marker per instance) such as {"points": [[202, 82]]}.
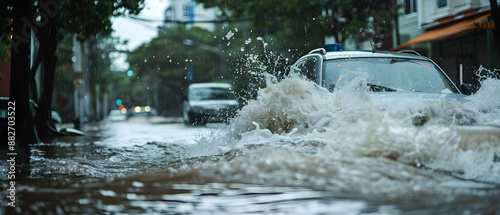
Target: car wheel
{"points": [[202, 120], [189, 119]]}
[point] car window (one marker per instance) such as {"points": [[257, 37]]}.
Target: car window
{"points": [[307, 67], [390, 74], [214, 93]]}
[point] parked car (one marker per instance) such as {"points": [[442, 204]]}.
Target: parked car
{"points": [[209, 102], [116, 115], [396, 75]]}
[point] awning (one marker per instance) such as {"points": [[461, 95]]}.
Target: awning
{"points": [[450, 30]]}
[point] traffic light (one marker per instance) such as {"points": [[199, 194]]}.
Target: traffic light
{"points": [[130, 73], [122, 108]]}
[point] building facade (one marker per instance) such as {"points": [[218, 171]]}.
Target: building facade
{"points": [[456, 34], [191, 14]]}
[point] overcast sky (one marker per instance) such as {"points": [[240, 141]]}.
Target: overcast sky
{"points": [[138, 32]]}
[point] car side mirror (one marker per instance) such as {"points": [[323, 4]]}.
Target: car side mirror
{"points": [[465, 89]]}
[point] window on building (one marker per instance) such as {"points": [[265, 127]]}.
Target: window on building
{"points": [[442, 3], [410, 6], [187, 9]]}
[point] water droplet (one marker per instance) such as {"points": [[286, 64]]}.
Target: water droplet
{"points": [[229, 35], [137, 184]]}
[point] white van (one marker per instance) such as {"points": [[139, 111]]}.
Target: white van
{"points": [[209, 102]]}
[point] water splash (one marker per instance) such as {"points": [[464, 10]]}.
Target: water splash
{"points": [[486, 103], [297, 132]]}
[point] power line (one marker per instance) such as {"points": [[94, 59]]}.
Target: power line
{"points": [[244, 19], [143, 25]]}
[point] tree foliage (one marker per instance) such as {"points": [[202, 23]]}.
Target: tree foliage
{"points": [[51, 22], [169, 62], [4, 32], [168, 57], [287, 21], [303, 25], [88, 18]]}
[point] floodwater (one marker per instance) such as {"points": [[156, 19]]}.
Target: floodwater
{"points": [[296, 149]]}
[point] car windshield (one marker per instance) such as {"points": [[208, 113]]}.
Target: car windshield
{"points": [[211, 93], [389, 74]]}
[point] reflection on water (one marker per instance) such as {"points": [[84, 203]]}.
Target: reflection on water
{"points": [[164, 194], [297, 149]]}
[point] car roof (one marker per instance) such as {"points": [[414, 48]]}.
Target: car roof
{"points": [[367, 54], [210, 85]]}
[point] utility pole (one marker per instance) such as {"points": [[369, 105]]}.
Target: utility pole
{"points": [[78, 83]]}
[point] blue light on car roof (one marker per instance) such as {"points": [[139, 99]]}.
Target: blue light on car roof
{"points": [[333, 47]]}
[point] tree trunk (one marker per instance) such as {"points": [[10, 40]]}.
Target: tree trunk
{"points": [[20, 83], [48, 45]]}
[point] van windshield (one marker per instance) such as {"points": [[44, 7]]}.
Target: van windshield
{"points": [[211, 93]]}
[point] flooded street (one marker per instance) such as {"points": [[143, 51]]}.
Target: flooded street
{"points": [[288, 152], [250, 107]]}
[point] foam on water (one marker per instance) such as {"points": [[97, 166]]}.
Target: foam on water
{"points": [[486, 102], [297, 133]]}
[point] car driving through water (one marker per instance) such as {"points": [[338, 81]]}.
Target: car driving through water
{"points": [[399, 77], [209, 102]]}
